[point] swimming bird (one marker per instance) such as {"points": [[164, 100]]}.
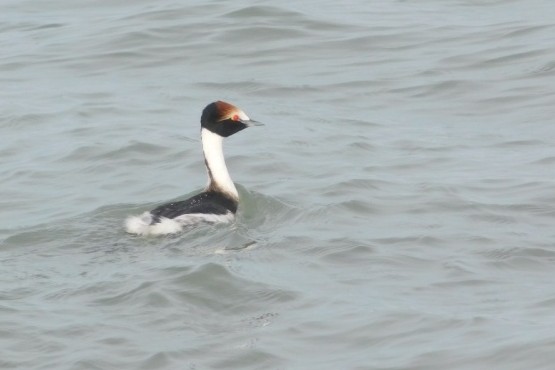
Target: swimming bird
{"points": [[219, 200]]}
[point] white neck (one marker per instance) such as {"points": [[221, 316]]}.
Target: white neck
{"points": [[215, 163]]}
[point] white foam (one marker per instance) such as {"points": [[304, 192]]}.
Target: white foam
{"points": [[140, 225]]}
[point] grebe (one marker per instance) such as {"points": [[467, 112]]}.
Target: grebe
{"points": [[218, 202]]}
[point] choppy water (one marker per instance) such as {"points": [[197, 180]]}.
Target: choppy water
{"points": [[397, 208]]}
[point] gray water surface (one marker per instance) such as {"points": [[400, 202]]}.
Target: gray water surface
{"points": [[396, 211]]}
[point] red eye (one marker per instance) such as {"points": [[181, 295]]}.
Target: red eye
{"points": [[235, 117]]}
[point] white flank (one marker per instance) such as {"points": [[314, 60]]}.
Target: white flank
{"points": [[214, 155], [140, 225]]}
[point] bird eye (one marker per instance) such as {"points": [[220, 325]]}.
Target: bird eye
{"points": [[235, 117]]}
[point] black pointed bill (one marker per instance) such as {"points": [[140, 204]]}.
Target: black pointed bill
{"points": [[251, 122]]}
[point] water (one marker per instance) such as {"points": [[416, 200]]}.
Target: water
{"points": [[397, 208]]}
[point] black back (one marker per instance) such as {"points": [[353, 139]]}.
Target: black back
{"points": [[209, 202]]}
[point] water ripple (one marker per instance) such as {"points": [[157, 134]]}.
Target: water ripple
{"points": [[396, 210]]}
